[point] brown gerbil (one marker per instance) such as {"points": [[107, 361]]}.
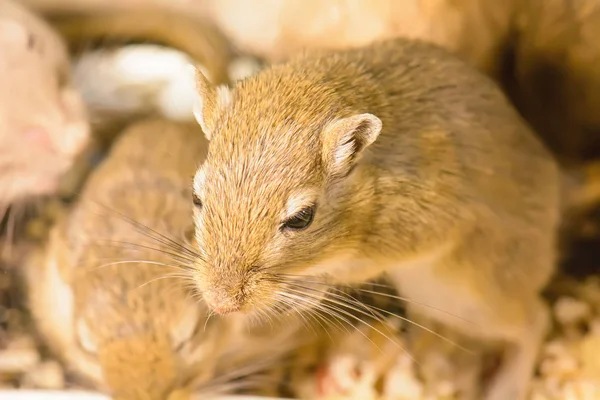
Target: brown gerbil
{"points": [[121, 325], [394, 158]]}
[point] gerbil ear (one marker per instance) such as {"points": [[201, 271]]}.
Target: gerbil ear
{"points": [[14, 37], [345, 139], [209, 101]]}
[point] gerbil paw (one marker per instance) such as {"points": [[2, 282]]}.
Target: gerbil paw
{"points": [[345, 377]]}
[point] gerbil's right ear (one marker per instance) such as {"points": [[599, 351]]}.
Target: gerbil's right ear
{"points": [[345, 139], [13, 35], [209, 101]]}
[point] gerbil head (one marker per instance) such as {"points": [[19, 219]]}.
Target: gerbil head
{"points": [[144, 342], [278, 193], [138, 332], [43, 125], [137, 327]]}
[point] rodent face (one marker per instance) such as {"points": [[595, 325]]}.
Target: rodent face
{"points": [[138, 353], [252, 226], [43, 125], [273, 197], [138, 332]]}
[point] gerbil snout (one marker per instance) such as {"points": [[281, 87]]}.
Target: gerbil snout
{"points": [[226, 293], [221, 302]]}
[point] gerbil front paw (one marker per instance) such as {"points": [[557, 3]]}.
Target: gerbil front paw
{"points": [[344, 376]]}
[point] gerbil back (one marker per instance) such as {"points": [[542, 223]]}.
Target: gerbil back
{"points": [[197, 37]]}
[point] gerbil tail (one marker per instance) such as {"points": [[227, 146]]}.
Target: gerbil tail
{"points": [[196, 36]]}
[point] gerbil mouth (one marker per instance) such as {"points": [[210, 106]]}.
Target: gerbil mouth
{"points": [[224, 310], [220, 303]]}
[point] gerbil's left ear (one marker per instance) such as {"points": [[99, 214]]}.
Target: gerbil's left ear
{"points": [[14, 39], [345, 139], [209, 101]]}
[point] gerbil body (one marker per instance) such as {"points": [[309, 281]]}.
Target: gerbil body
{"points": [[475, 29], [43, 124], [394, 158], [132, 63], [198, 38], [123, 326]]}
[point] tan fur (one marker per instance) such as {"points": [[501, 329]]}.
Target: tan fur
{"points": [[43, 124], [126, 328], [195, 36], [455, 199], [276, 30]]}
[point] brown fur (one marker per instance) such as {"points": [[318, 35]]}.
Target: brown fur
{"points": [[557, 79], [195, 36], [125, 327], [454, 198]]}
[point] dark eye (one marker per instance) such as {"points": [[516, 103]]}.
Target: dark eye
{"points": [[196, 200], [301, 220], [31, 42]]}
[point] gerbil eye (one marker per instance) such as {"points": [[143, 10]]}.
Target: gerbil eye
{"points": [[196, 200], [31, 42], [301, 220]]}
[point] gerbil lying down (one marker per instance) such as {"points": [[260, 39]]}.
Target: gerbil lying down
{"points": [[43, 125], [99, 291]]}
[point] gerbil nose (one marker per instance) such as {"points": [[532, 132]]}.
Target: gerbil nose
{"points": [[68, 141], [39, 137], [220, 302]]}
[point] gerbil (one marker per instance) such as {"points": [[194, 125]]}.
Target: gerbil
{"points": [[132, 63], [43, 124], [394, 158], [475, 29], [197, 37], [121, 326]]}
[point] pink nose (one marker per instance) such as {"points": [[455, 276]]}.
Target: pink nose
{"points": [[40, 137], [220, 303], [72, 140]]}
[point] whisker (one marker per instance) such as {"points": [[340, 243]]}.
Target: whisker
{"points": [[210, 314], [372, 292], [302, 317], [332, 303], [150, 262], [166, 276], [145, 247], [157, 235], [408, 320]]}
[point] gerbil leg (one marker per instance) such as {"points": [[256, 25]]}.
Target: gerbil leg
{"points": [[481, 307], [512, 381]]}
